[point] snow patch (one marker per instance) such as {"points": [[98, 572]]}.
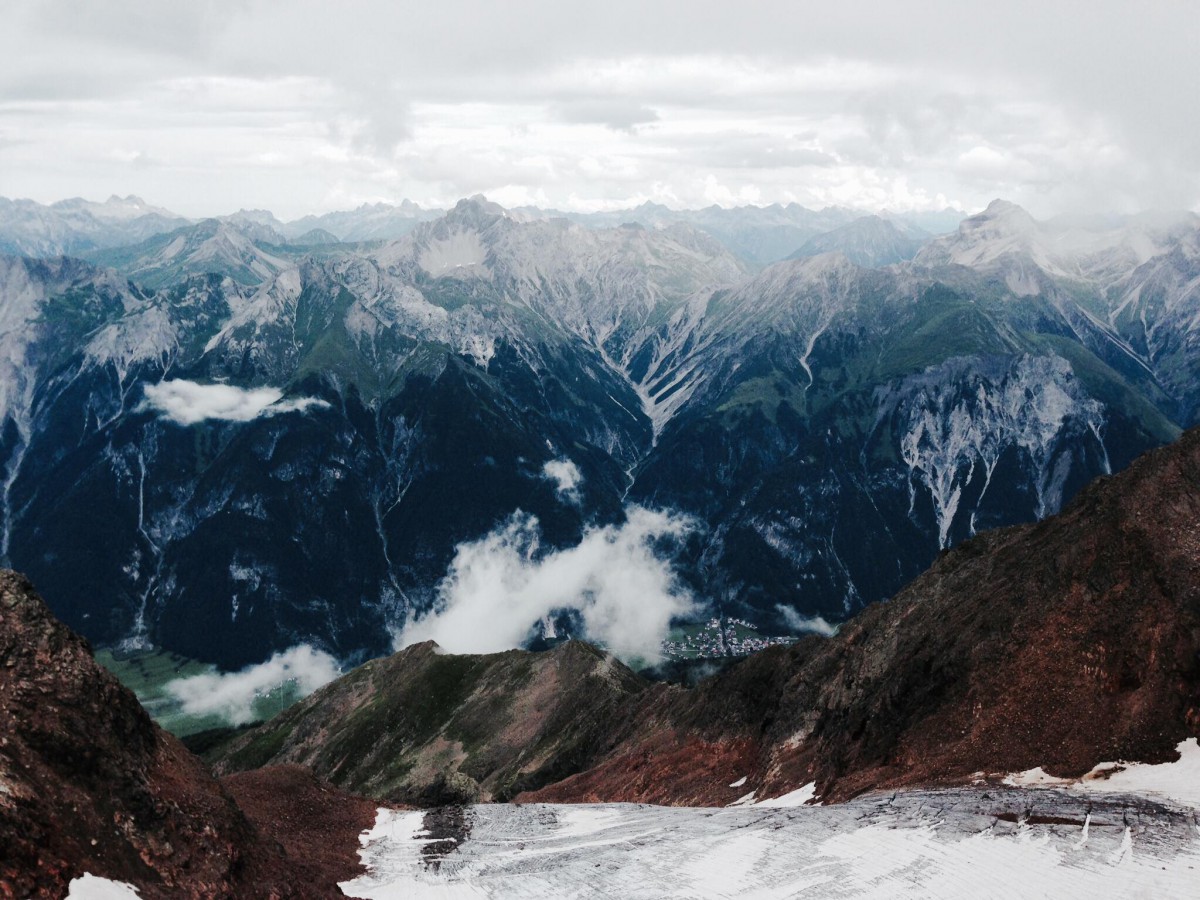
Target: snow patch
{"points": [[1178, 781], [397, 839], [1037, 777], [798, 797], [911, 847], [92, 887]]}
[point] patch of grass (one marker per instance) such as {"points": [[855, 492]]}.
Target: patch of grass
{"points": [[945, 327], [447, 681], [766, 393], [261, 750], [211, 740], [148, 672]]}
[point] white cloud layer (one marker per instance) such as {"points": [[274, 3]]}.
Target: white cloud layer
{"points": [[805, 624], [566, 477], [205, 107], [188, 402], [498, 587], [232, 696]]}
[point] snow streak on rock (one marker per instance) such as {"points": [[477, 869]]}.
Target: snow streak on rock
{"points": [[960, 417]]}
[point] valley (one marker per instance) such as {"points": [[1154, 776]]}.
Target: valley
{"points": [[971, 724]]}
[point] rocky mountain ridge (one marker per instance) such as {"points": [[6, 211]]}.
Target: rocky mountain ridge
{"points": [[757, 234], [428, 728], [88, 784], [1059, 645]]}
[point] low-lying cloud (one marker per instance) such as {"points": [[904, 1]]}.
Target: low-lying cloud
{"points": [[566, 477], [234, 696], [189, 402], [499, 586], [805, 624]]}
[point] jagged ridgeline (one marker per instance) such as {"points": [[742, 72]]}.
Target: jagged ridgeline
{"points": [[234, 442]]}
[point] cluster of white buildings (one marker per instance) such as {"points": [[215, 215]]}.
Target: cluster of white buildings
{"points": [[720, 637]]}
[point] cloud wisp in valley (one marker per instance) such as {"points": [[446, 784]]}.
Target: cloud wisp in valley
{"points": [[234, 696], [499, 586]]}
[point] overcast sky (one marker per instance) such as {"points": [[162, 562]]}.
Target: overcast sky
{"points": [[205, 107]]}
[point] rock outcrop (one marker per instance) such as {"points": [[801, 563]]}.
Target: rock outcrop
{"points": [[89, 784], [427, 728]]}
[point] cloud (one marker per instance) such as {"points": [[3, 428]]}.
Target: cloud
{"points": [[872, 106], [566, 477], [188, 402], [233, 696], [498, 587], [617, 114], [805, 624]]}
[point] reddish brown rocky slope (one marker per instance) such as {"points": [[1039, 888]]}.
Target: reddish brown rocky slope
{"points": [[1061, 644], [88, 784]]}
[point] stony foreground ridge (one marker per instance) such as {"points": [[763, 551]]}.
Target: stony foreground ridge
{"points": [[1062, 645], [427, 728], [89, 784]]}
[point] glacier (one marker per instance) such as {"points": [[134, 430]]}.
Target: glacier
{"points": [[988, 843]]}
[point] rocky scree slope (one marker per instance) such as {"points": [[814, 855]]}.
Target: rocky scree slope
{"points": [[88, 784]]}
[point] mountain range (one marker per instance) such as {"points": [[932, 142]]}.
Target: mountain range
{"points": [[1025, 666], [224, 444], [758, 235]]}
